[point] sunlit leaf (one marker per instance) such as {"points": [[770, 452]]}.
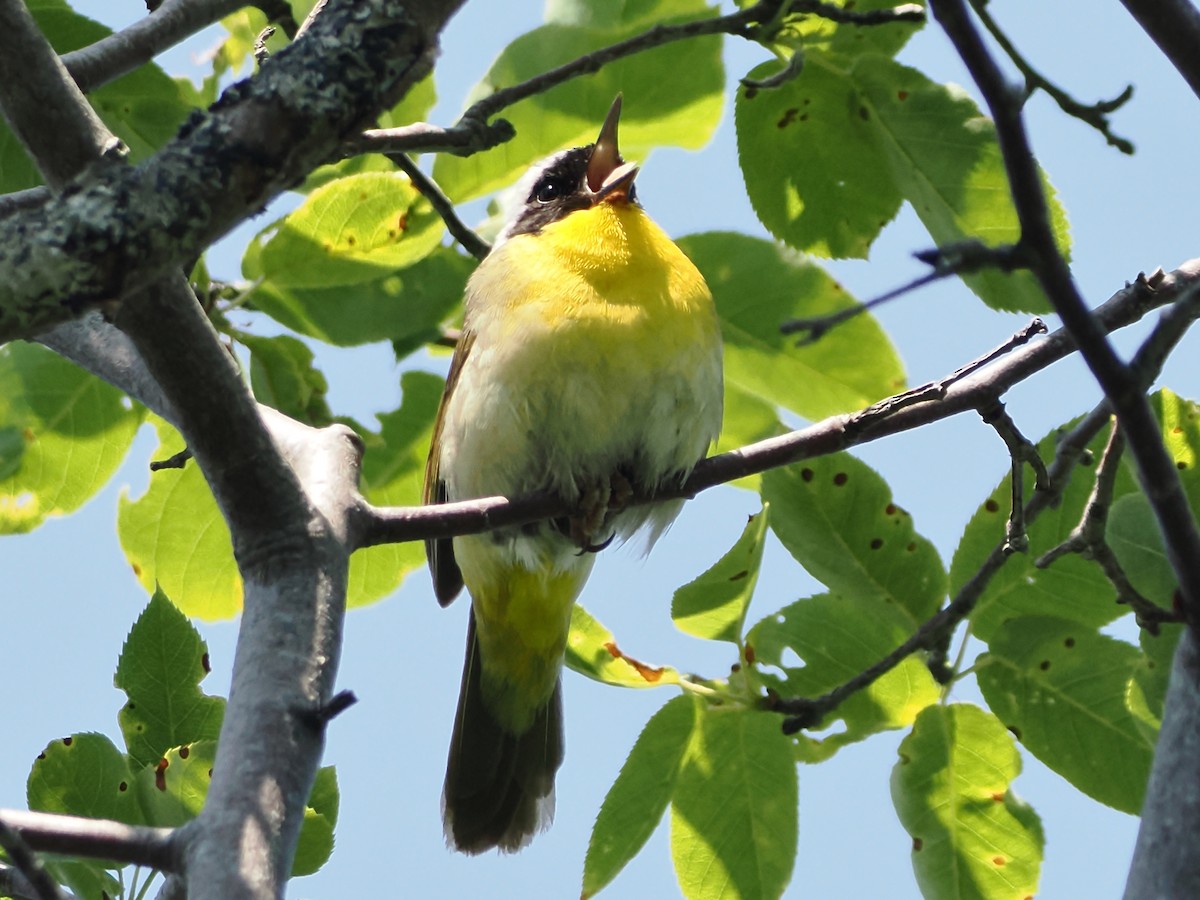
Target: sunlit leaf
{"points": [[162, 663], [83, 775], [1061, 689], [681, 112], [713, 606], [814, 645], [63, 434], [592, 651], [837, 517], [638, 798], [758, 286], [972, 836], [174, 536], [734, 809], [356, 229]]}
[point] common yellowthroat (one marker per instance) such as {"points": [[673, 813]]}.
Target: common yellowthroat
{"points": [[589, 366]]}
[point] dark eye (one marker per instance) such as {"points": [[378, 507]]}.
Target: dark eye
{"points": [[548, 189]]}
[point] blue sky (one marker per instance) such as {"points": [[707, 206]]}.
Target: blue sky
{"points": [[72, 597]]}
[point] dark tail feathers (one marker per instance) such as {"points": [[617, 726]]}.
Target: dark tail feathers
{"points": [[499, 786]]}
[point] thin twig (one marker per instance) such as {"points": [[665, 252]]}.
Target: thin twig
{"points": [[1088, 539], [120, 53], [93, 838], [442, 205], [317, 9], [962, 258], [1159, 477], [805, 712], [473, 132], [23, 858], [1093, 114], [1021, 450], [385, 525], [935, 632]]}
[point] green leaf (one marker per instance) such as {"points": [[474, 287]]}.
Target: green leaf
{"points": [[174, 537], [83, 775], [713, 606], [1133, 532], [945, 160], [85, 877], [172, 790], [972, 836], [144, 108], [64, 434], [592, 651], [817, 32], [829, 156], [320, 816], [836, 638], [358, 228], [658, 111], [813, 169], [1061, 689], [1071, 587], [160, 669], [1147, 691], [747, 419], [734, 810], [638, 798], [1133, 536], [415, 107], [405, 307], [757, 285], [617, 13], [393, 473], [244, 27], [283, 376], [836, 517]]}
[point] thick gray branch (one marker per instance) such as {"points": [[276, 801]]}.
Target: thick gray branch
{"points": [[107, 236], [1164, 858], [1175, 26], [37, 99], [122, 52]]}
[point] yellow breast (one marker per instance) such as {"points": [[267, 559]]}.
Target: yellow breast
{"points": [[596, 344]]}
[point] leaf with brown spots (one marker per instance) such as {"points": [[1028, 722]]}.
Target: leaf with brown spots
{"points": [[161, 666], [833, 515], [951, 792], [1073, 714], [713, 606], [592, 651]]}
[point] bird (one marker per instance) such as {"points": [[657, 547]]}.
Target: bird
{"points": [[589, 368]]}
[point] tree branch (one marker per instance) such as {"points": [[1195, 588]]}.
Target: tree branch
{"points": [[290, 524], [473, 132], [38, 100], [933, 634], [1156, 471], [1093, 114], [17, 849], [116, 232], [122, 52], [1174, 25], [95, 838], [1089, 541], [378, 525], [442, 205]]}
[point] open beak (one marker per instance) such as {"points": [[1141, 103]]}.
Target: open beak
{"points": [[608, 176]]}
